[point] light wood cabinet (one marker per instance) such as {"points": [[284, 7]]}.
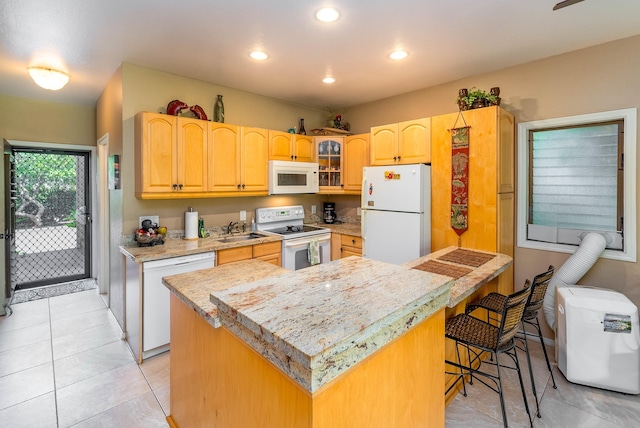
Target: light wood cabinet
{"points": [[290, 147], [491, 184], [237, 159], [270, 252], [401, 143], [224, 157], [356, 157], [171, 154], [345, 245]]}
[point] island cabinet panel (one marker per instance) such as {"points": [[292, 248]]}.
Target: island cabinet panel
{"points": [[491, 184], [218, 380]]}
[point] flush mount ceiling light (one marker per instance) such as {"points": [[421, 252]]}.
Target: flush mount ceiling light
{"points": [[258, 55], [327, 14], [328, 80], [48, 78], [398, 55]]}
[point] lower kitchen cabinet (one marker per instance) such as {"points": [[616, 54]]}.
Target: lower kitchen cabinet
{"points": [[345, 246], [270, 252]]}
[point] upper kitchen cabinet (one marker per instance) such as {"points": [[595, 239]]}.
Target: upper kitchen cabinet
{"points": [[491, 184], [401, 143], [330, 152], [290, 147], [356, 157], [171, 156], [237, 160]]}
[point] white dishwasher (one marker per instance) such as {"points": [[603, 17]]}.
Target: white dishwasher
{"points": [[155, 297]]}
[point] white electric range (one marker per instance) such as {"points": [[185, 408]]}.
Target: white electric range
{"points": [[296, 236]]}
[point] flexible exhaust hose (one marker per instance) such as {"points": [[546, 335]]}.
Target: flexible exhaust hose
{"points": [[591, 247]]}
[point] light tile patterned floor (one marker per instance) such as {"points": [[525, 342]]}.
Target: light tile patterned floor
{"points": [[62, 364]]}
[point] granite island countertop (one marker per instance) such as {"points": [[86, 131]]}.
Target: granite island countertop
{"points": [[316, 323], [461, 260], [176, 247], [194, 288], [353, 229]]}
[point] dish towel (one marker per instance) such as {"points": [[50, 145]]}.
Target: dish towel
{"points": [[314, 252]]}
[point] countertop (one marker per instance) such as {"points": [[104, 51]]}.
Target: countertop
{"points": [[194, 288], [353, 229], [176, 247], [316, 323], [466, 285]]}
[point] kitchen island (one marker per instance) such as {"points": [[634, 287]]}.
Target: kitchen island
{"points": [[352, 343]]}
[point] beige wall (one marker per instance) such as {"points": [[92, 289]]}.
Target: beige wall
{"points": [[39, 121], [591, 80]]}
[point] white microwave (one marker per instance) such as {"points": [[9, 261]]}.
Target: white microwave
{"points": [[287, 177]]}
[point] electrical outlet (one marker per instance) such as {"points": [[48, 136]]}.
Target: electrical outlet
{"points": [[154, 219], [313, 209], [359, 211], [243, 215]]}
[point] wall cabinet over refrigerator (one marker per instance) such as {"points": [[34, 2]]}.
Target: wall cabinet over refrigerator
{"points": [[290, 147], [401, 143], [171, 155]]}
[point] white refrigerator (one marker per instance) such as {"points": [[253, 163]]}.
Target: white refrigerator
{"points": [[396, 212]]}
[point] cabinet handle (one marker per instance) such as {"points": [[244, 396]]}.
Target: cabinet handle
{"points": [[180, 186], [394, 158], [292, 157], [353, 241], [175, 187], [243, 187], [238, 187], [398, 158]]}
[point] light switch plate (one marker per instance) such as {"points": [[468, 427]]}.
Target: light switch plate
{"points": [[243, 215], [154, 219]]}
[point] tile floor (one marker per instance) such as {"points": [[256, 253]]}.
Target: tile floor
{"points": [[62, 364]]}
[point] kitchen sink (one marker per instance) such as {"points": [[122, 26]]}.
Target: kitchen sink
{"points": [[237, 238]]}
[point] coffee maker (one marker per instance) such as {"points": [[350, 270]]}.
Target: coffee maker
{"points": [[330, 212]]}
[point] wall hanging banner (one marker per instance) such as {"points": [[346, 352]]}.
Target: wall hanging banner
{"points": [[460, 179]]}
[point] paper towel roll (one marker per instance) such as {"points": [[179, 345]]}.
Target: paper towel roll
{"points": [[191, 225]]}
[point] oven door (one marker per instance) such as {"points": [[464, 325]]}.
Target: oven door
{"points": [[295, 251]]}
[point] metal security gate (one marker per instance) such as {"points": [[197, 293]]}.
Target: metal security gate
{"points": [[52, 221]]}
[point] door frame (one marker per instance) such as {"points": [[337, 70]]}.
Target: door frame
{"points": [[92, 185], [101, 216]]}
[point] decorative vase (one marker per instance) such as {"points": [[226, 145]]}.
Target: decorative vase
{"points": [[495, 91], [218, 110], [302, 131]]}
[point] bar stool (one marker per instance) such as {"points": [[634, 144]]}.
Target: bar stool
{"points": [[494, 302], [472, 332]]}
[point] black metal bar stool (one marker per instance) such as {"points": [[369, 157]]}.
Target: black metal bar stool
{"points": [[494, 302], [478, 336]]}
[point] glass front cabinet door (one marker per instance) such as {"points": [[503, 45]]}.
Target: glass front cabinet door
{"points": [[330, 150]]}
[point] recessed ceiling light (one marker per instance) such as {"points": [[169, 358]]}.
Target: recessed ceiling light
{"points": [[328, 80], [258, 55], [327, 14], [398, 55]]}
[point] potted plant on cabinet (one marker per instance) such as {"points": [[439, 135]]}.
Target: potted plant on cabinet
{"points": [[477, 98]]}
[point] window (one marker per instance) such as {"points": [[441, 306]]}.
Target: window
{"points": [[577, 175]]}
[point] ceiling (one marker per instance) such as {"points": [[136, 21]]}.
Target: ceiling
{"points": [[210, 40]]}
